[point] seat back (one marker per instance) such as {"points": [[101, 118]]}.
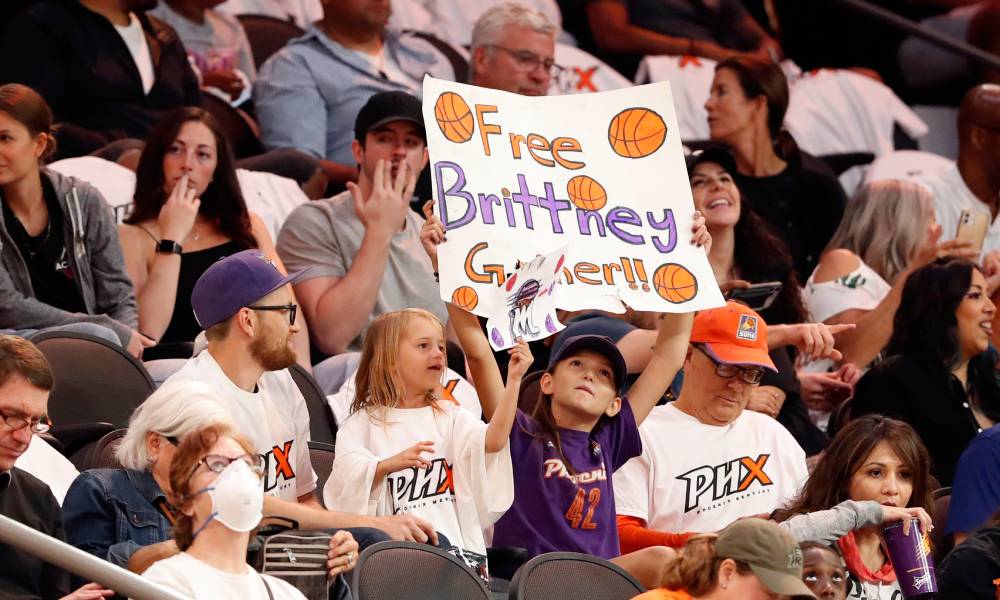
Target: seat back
{"points": [[941, 542], [572, 575], [322, 425], [321, 456], [239, 127], [95, 380], [412, 571], [103, 454], [841, 416], [528, 396], [267, 35]]}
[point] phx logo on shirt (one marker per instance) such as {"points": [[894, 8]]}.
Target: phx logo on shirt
{"points": [[416, 487], [715, 482], [278, 470]]}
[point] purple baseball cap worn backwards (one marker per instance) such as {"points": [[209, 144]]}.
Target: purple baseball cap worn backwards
{"points": [[233, 282]]}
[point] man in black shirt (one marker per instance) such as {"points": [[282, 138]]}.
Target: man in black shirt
{"points": [[25, 381]]}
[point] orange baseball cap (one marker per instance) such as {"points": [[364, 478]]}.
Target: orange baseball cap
{"points": [[733, 334]]}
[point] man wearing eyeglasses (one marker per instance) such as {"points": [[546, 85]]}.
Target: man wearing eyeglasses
{"points": [[246, 307], [25, 382], [705, 460], [513, 49]]}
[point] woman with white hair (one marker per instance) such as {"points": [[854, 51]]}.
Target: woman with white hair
{"points": [[888, 231], [125, 515]]}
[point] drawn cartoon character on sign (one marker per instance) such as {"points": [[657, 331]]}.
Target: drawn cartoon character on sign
{"points": [[520, 311]]}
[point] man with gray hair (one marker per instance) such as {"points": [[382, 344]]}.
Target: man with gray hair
{"points": [[513, 49]]}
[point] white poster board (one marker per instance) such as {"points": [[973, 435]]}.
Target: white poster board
{"points": [[602, 174]]}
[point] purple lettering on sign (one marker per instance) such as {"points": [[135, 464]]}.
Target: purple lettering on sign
{"points": [[624, 216], [457, 190], [668, 225]]}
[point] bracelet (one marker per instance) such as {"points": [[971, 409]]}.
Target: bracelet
{"points": [[436, 277]]}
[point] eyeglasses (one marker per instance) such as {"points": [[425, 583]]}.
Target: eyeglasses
{"points": [[36, 424], [218, 464], [528, 61], [173, 440], [289, 309], [749, 375]]}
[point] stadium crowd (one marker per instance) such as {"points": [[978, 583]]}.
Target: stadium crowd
{"points": [[231, 198]]}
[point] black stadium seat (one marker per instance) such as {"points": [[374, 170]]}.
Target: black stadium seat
{"points": [[572, 575], [267, 35], [321, 456], [239, 127], [412, 571], [95, 380], [322, 424]]}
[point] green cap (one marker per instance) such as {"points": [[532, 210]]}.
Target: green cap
{"points": [[773, 555]]}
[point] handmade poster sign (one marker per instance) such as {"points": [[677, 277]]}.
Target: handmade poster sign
{"points": [[602, 174], [524, 306]]}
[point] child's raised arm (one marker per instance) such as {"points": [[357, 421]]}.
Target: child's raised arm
{"points": [[671, 345], [485, 373], [502, 419]]}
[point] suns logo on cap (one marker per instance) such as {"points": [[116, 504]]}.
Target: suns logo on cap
{"points": [[747, 329]]}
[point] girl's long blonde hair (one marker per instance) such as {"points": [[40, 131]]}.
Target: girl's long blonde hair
{"points": [[379, 382]]}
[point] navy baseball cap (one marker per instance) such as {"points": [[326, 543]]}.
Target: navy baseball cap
{"points": [[600, 344], [386, 107], [233, 282], [714, 154]]}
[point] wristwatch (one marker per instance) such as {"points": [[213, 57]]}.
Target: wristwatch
{"points": [[168, 247]]}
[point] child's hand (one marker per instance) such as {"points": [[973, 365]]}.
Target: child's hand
{"points": [[699, 233], [411, 457], [520, 360], [432, 233]]}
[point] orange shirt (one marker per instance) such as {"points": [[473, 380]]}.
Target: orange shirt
{"points": [[664, 594]]}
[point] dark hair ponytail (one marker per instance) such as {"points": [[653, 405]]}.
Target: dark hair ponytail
{"points": [[760, 77], [27, 107]]}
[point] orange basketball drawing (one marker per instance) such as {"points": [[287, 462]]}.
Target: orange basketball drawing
{"points": [[586, 193], [675, 283], [454, 117], [636, 132], [465, 298]]}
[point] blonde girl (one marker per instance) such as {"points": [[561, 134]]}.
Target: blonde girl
{"points": [[405, 450]]}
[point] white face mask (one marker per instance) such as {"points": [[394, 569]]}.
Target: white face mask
{"points": [[237, 498]]}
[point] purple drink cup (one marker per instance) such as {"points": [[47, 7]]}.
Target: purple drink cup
{"points": [[911, 560]]}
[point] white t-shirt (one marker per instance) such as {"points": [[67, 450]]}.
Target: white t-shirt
{"points": [[583, 73], [274, 418], [696, 477], [135, 38], [951, 196], [47, 464], [908, 165], [464, 491], [861, 289], [189, 577]]}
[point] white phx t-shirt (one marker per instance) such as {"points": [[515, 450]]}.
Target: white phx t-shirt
{"points": [[274, 418], [699, 478], [462, 492]]}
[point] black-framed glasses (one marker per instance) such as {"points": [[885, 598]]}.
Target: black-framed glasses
{"points": [[172, 439], [749, 375], [217, 464], [528, 61], [36, 424], [289, 309]]}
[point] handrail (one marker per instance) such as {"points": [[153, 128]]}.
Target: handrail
{"points": [[80, 563], [946, 42]]}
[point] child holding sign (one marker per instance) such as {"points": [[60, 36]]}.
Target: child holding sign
{"points": [[581, 431], [405, 450]]}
